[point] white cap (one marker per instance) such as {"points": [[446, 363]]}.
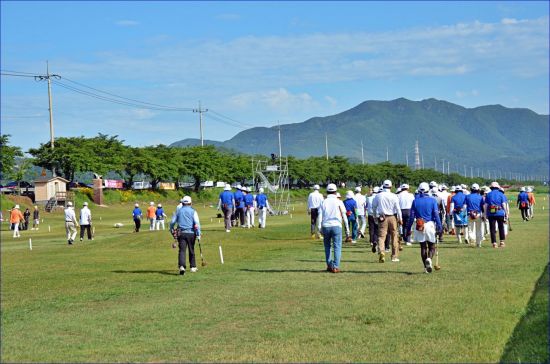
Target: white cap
{"points": [[376, 189], [349, 194], [68, 204], [239, 187], [387, 184], [424, 187], [151, 203], [159, 205], [458, 188], [186, 200], [248, 189], [443, 186], [522, 189], [16, 206], [404, 186], [529, 189], [453, 188], [494, 185], [464, 186], [316, 187], [475, 187], [85, 204], [358, 189], [433, 184], [136, 204], [261, 190], [227, 187], [331, 187]]}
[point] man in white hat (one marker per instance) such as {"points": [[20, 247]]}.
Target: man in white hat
{"points": [[387, 211], [263, 206], [85, 221], [424, 211], [226, 203], [239, 206], [373, 227], [496, 211], [136, 216], [151, 215], [474, 209], [188, 231], [523, 203], [361, 201], [332, 214], [405, 203], [314, 201], [70, 223], [445, 219], [531, 202], [160, 216], [460, 216], [351, 207], [250, 207], [15, 219]]}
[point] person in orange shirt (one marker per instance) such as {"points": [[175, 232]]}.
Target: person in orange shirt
{"points": [[15, 218], [448, 210], [151, 215], [531, 202]]}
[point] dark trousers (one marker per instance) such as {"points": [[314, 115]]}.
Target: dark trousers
{"points": [[373, 230], [227, 212], [88, 228], [493, 221], [138, 224], [524, 213], [405, 213], [186, 241], [239, 214], [314, 216]]}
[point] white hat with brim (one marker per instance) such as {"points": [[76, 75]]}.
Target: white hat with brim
{"points": [[494, 185], [349, 194], [227, 187], [186, 200], [387, 184], [331, 187], [316, 187]]}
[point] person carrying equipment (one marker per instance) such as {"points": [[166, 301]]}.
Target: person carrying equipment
{"points": [[187, 232], [263, 207], [474, 209], [424, 214], [496, 211], [459, 213], [386, 210], [314, 201], [226, 203], [160, 216], [523, 204]]}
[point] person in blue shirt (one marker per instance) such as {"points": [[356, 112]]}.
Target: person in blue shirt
{"points": [[460, 216], [239, 206], [160, 215], [136, 215], [496, 212], [523, 204], [425, 211], [250, 207], [226, 203], [263, 206], [474, 209], [188, 231], [351, 206]]}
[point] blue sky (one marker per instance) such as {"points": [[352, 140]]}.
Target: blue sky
{"points": [[259, 63]]}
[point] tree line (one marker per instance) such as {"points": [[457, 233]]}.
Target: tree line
{"points": [[102, 154]]}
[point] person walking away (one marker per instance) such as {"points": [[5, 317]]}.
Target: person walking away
{"points": [[26, 217], [249, 205], [373, 227], [15, 219], [523, 204], [405, 203], [351, 213], [159, 216], [361, 201], [387, 211], [531, 202], [226, 203], [314, 201], [496, 212], [70, 223], [459, 213], [85, 222], [331, 216], [445, 218], [449, 212], [151, 215], [434, 193], [263, 206], [137, 215], [425, 215], [239, 206], [35, 218], [484, 222], [474, 209], [188, 231]]}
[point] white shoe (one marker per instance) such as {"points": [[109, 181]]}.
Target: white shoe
{"points": [[394, 259], [408, 244], [428, 265], [227, 231], [194, 269], [354, 242]]}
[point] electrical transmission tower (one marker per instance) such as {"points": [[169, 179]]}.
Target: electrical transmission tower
{"points": [[417, 164]]}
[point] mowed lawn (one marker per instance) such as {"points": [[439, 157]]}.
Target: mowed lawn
{"points": [[119, 298]]}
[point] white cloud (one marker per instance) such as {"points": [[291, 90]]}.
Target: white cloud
{"points": [[280, 100], [331, 101], [126, 23], [464, 94]]}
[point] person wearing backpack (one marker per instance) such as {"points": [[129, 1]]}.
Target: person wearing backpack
{"points": [[474, 209]]}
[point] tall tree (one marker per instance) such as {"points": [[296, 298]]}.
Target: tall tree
{"points": [[8, 154]]}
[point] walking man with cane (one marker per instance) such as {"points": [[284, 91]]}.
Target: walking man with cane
{"points": [[188, 230], [226, 203]]}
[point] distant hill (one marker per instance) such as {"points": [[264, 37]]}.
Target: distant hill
{"points": [[191, 142], [489, 137]]}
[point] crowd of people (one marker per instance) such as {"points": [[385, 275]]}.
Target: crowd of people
{"points": [[397, 218]]}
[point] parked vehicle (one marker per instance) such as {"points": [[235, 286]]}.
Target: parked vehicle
{"points": [[141, 185]]}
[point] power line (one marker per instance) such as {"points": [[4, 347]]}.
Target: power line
{"points": [[15, 75]]}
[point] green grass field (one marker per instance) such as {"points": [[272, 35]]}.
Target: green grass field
{"points": [[119, 298]]}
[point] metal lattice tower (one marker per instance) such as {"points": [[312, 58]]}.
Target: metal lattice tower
{"points": [[417, 164], [274, 178]]}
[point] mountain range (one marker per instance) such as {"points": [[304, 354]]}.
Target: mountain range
{"points": [[491, 138]]}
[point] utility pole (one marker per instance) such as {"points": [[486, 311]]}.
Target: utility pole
{"points": [[387, 154], [362, 155], [326, 145], [422, 160], [407, 157], [443, 165], [471, 172], [448, 167], [435, 163], [200, 111]]}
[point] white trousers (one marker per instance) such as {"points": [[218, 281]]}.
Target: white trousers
{"points": [[362, 223], [262, 217], [16, 230], [475, 232], [250, 217], [70, 228], [159, 224]]}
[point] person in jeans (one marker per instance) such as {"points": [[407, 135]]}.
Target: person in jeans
{"points": [[188, 231], [227, 203], [331, 215], [496, 213]]}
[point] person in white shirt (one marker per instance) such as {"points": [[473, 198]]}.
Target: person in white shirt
{"points": [[361, 201], [85, 222], [332, 214], [386, 210], [405, 203], [70, 223], [314, 201], [373, 226], [444, 194]]}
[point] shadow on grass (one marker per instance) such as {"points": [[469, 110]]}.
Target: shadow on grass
{"points": [[529, 341], [324, 271], [343, 261], [165, 272]]}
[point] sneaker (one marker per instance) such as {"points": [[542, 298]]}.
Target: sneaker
{"points": [[227, 231], [194, 269], [428, 265], [388, 250], [502, 245], [182, 270], [70, 242], [81, 239], [381, 258], [408, 244], [313, 236], [335, 270], [495, 245], [373, 249], [329, 268], [354, 242], [321, 237], [426, 271], [361, 235], [395, 259]]}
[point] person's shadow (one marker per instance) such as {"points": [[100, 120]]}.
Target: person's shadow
{"points": [[165, 272]]}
